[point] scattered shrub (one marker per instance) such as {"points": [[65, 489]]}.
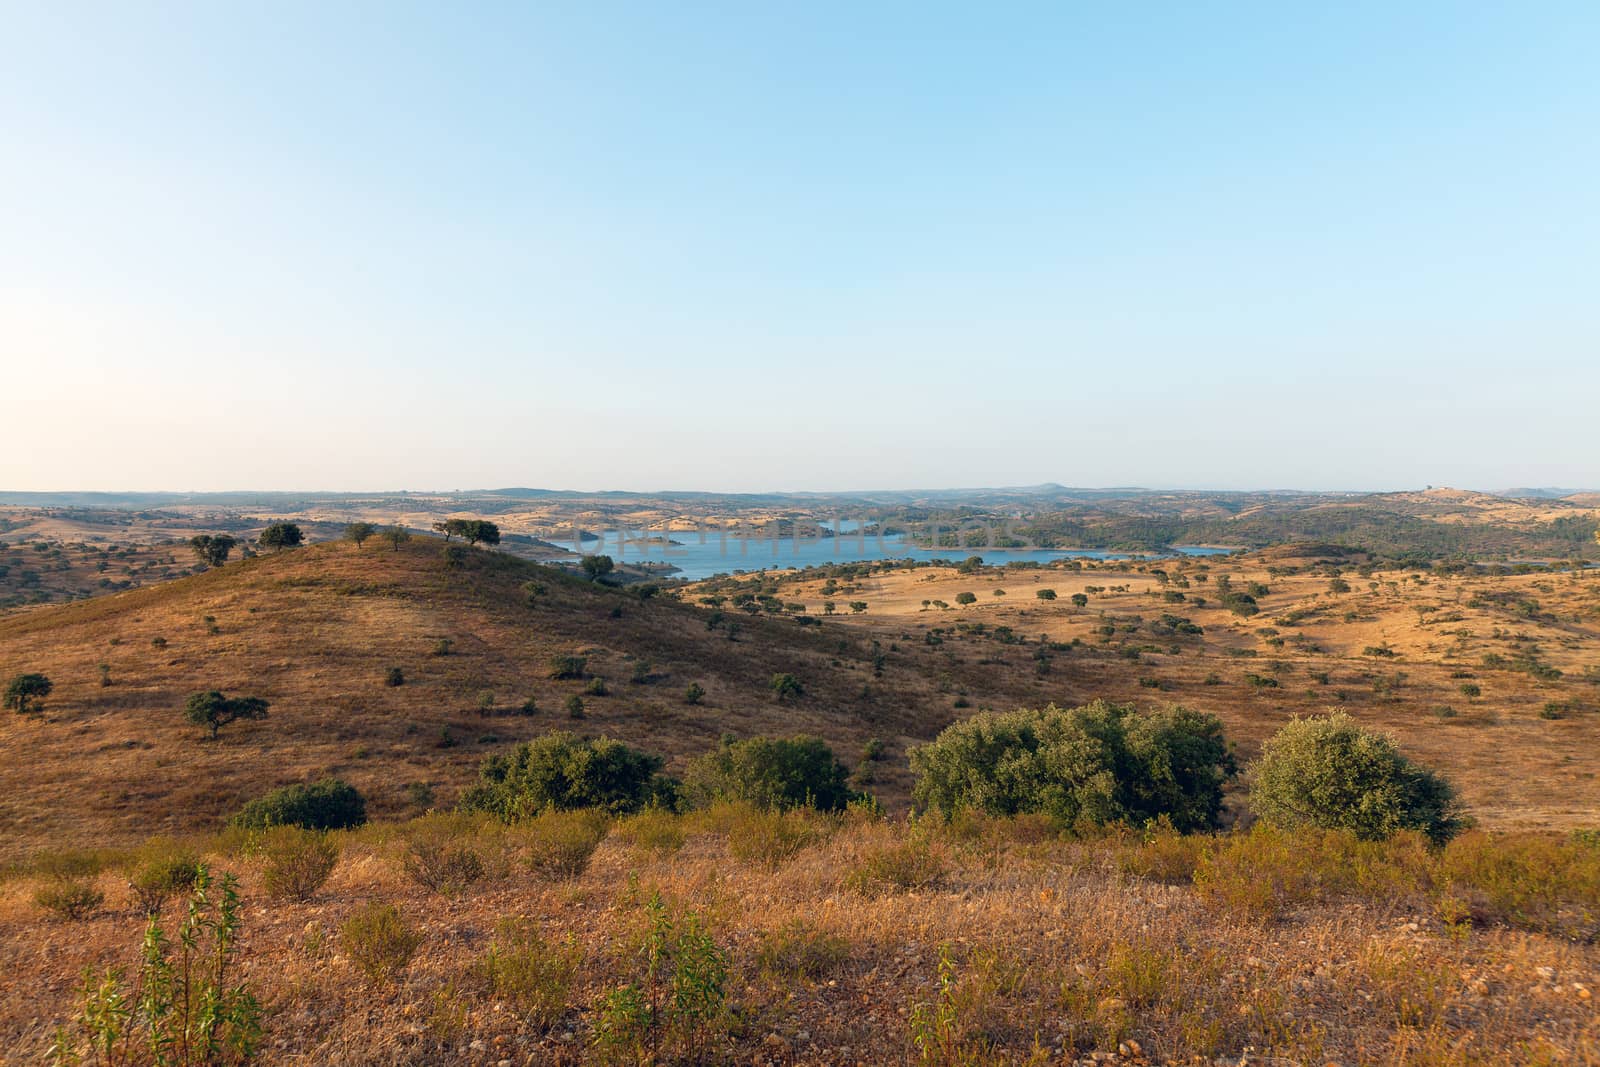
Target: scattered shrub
{"points": [[379, 941], [786, 687], [596, 687], [567, 667], [297, 862], [909, 864], [694, 694], [769, 837], [1331, 773], [525, 969], [330, 804], [163, 871], [436, 857], [394, 677], [559, 844], [653, 830], [69, 899], [574, 706]]}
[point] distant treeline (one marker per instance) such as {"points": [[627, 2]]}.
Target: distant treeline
{"points": [[1381, 532]]}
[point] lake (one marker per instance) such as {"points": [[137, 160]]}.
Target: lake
{"points": [[701, 554]]}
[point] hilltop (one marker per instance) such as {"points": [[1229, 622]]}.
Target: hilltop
{"points": [[315, 630]]}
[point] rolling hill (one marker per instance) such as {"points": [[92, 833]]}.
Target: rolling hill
{"points": [[315, 631]]}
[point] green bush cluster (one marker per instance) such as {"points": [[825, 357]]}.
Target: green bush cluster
{"points": [[1094, 764], [771, 772], [330, 804], [564, 771]]}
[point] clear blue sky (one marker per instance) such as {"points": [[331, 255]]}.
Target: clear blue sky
{"points": [[802, 246]]}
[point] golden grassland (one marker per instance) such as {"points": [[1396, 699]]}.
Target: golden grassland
{"points": [[314, 632], [857, 940], [1460, 668]]}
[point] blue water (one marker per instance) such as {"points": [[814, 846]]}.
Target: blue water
{"points": [[702, 554]]}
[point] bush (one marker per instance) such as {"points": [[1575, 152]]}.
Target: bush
{"points": [[298, 862], [1098, 763], [772, 772], [769, 837], [1045, 594], [786, 687], [70, 899], [525, 969], [394, 677], [966, 598], [694, 694], [567, 667], [564, 771], [379, 941], [559, 844], [1331, 773], [436, 859], [164, 871], [905, 865], [653, 830], [26, 692], [326, 805]]}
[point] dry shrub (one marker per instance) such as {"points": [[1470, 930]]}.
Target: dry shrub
{"points": [[441, 853], [379, 941], [162, 870], [1165, 856], [770, 838], [69, 899], [1267, 870], [1530, 881], [912, 863], [525, 969], [560, 844], [653, 831], [799, 950], [296, 862]]}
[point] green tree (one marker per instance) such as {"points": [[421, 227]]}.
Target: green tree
{"points": [[1080, 600], [597, 567], [564, 771], [1098, 763], [212, 549], [786, 687], [214, 711], [359, 532], [966, 598], [1328, 772], [771, 772], [281, 535], [396, 536], [471, 531], [1045, 594], [26, 692]]}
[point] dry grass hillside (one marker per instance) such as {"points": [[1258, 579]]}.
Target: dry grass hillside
{"points": [[1492, 677], [315, 630]]}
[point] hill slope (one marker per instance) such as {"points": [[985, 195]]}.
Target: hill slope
{"points": [[315, 630]]}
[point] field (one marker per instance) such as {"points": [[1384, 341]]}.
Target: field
{"points": [[853, 938]]}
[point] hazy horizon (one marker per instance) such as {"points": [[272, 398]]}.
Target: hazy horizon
{"points": [[913, 245]]}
